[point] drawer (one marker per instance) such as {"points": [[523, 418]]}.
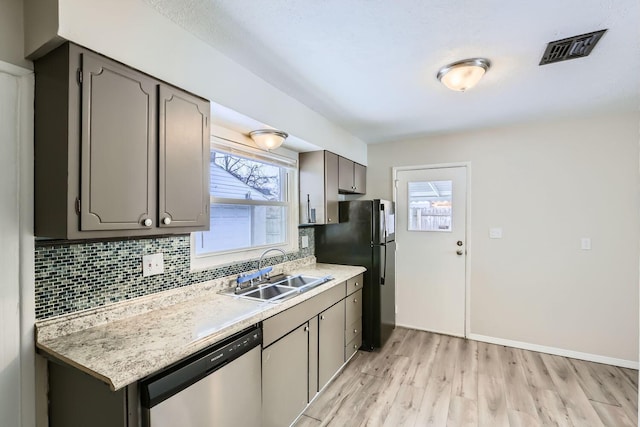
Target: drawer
{"points": [[352, 330], [353, 346], [279, 325], [353, 309], [354, 284]]}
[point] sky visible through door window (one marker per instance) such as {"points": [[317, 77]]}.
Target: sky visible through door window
{"points": [[430, 206]]}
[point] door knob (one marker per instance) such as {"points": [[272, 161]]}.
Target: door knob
{"points": [[459, 252], [459, 243]]}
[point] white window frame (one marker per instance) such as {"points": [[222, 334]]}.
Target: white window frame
{"points": [[217, 259]]}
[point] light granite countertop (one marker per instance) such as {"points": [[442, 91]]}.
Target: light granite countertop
{"points": [[125, 342]]}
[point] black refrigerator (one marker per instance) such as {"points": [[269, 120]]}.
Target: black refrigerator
{"points": [[365, 236]]}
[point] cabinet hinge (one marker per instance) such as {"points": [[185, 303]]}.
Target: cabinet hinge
{"points": [[77, 206], [79, 76]]}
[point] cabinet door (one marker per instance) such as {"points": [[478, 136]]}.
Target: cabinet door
{"points": [[331, 187], [284, 378], [359, 178], [118, 147], [345, 175], [183, 159], [330, 342]]}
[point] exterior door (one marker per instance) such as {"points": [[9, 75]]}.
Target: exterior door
{"points": [[431, 249]]}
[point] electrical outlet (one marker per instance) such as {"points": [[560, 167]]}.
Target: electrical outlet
{"points": [[152, 264]]}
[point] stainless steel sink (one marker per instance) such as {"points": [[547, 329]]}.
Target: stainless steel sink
{"points": [[278, 288]]}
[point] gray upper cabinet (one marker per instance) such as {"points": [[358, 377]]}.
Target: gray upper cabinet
{"points": [[183, 159], [352, 177], [118, 146], [318, 187], [117, 152]]}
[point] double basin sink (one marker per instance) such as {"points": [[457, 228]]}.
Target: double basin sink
{"points": [[278, 288]]}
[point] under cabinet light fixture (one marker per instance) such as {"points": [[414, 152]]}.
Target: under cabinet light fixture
{"points": [[463, 75], [268, 139]]}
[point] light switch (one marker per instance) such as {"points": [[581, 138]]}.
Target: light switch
{"points": [[304, 242], [495, 233], [585, 244], [152, 264]]}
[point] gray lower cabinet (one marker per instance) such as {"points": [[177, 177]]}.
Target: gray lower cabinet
{"points": [[78, 400], [330, 342], [284, 378], [353, 318], [117, 152]]}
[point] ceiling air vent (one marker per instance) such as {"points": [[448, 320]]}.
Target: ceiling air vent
{"points": [[570, 48]]}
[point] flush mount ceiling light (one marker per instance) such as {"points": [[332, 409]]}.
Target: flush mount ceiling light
{"points": [[463, 75], [268, 139]]}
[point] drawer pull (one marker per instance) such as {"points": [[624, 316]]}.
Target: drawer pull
{"points": [[355, 331], [355, 300], [355, 346], [357, 284]]}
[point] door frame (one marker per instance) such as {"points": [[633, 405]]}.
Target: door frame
{"points": [[467, 262]]}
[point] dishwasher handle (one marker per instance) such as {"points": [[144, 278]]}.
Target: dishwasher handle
{"points": [[161, 386]]}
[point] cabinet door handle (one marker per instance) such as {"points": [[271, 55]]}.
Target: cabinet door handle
{"points": [[166, 221], [357, 284], [328, 219], [147, 222], [355, 331], [355, 300], [355, 346], [322, 317], [306, 329]]}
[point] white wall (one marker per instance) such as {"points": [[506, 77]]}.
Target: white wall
{"points": [[134, 33], [11, 33], [547, 185]]}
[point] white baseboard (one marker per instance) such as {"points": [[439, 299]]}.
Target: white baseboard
{"points": [[557, 351], [402, 325]]}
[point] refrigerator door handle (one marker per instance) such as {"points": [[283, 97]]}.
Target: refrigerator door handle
{"points": [[384, 226], [384, 269]]}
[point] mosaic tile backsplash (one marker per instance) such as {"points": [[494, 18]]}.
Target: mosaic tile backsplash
{"points": [[73, 277]]}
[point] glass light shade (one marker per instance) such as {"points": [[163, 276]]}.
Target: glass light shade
{"points": [[268, 139], [463, 75]]}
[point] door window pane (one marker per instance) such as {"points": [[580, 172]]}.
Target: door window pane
{"points": [[430, 205]]}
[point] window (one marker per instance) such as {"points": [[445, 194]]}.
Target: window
{"points": [[252, 207], [430, 205]]}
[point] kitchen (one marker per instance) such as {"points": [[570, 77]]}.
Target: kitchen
{"points": [[534, 311]]}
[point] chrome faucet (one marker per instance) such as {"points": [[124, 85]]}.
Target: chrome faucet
{"points": [[262, 257]]}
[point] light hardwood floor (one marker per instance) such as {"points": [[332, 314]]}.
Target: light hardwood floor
{"points": [[426, 379]]}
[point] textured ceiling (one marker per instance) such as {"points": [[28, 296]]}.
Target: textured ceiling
{"points": [[370, 65]]}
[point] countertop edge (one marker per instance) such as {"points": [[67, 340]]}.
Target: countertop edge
{"points": [[259, 311]]}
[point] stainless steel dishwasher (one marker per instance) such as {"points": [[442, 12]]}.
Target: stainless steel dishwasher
{"points": [[216, 387]]}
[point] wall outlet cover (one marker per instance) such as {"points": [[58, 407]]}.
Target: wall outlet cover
{"points": [[495, 233], [152, 264]]}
